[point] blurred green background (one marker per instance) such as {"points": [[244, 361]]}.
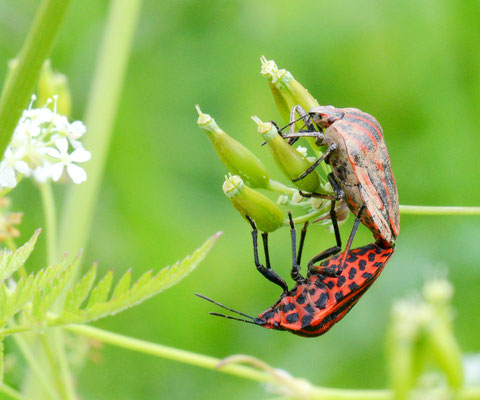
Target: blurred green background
{"points": [[413, 65]]}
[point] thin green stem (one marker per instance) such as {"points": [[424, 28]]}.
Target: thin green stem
{"points": [[100, 116], [307, 217], [36, 367], [54, 367], [280, 188], [11, 392], [24, 73], [434, 210], [241, 371], [50, 220]]}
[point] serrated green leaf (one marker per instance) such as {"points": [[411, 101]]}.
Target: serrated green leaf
{"points": [[100, 292], [147, 286], [12, 261], [81, 290], [123, 285]]}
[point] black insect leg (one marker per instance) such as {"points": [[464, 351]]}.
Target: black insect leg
{"points": [[336, 270], [295, 274], [268, 273], [332, 250], [317, 162], [302, 241], [339, 193]]}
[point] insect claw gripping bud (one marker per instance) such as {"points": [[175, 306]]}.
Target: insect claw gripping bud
{"points": [[267, 215], [235, 156], [52, 83], [289, 160]]}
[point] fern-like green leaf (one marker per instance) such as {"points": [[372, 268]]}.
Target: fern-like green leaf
{"points": [[81, 290], [124, 297], [12, 261]]}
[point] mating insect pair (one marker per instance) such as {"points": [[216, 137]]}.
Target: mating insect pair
{"points": [[328, 291], [362, 175]]}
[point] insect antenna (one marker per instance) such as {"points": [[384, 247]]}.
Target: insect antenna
{"points": [[235, 318], [225, 307]]}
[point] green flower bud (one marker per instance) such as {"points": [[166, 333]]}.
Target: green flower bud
{"points": [[289, 160], [235, 156], [267, 215], [52, 83], [286, 91]]}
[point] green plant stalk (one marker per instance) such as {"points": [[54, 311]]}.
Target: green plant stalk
{"points": [[435, 210], [35, 366], [11, 392], [242, 371], [50, 220], [62, 385], [21, 80], [99, 118]]}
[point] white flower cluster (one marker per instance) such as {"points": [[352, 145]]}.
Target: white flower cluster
{"points": [[43, 144]]}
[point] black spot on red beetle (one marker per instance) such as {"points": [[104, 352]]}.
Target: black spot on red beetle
{"points": [[353, 286], [352, 273], [306, 320], [362, 264], [322, 301], [341, 280], [338, 296], [301, 299], [330, 284], [312, 291], [319, 284], [371, 257], [378, 265], [366, 275], [309, 309], [288, 307], [268, 315], [292, 318]]}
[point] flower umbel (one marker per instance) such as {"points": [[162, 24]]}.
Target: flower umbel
{"points": [[43, 144]]}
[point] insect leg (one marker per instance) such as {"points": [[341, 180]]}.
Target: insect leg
{"points": [[268, 273], [302, 241], [350, 239], [332, 250], [295, 274], [310, 169]]}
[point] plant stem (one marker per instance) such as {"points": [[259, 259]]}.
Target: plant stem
{"points": [[280, 187], [11, 392], [242, 371], [36, 367], [52, 360], [50, 220], [23, 75], [434, 210], [100, 116]]}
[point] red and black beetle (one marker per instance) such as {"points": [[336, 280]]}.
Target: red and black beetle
{"points": [[361, 170], [325, 296]]}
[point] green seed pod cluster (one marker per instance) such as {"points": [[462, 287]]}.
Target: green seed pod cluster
{"points": [[266, 214], [290, 161]]}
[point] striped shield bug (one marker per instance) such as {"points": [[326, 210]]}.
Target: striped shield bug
{"points": [[325, 296], [361, 170]]}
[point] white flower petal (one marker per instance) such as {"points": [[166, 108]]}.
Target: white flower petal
{"points": [[23, 168], [77, 129], [52, 152], [62, 145], [77, 173], [42, 174], [7, 176], [56, 171], [80, 155]]}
